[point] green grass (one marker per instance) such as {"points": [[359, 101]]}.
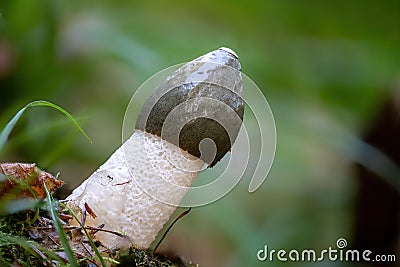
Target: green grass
{"points": [[60, 231], [40, 103]]}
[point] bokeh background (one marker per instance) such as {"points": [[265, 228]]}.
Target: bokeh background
{"points": [[330, 71]]}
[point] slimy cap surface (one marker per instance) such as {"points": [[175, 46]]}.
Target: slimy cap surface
{"points": [[199, 107]]}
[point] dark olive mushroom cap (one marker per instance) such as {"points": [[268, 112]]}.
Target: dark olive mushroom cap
{"points": [[200, 100]]}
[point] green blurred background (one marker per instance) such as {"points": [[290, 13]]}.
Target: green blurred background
{"points": [[325, 67]]}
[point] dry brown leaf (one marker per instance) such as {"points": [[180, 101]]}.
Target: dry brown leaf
{"points": [[20, 179]]}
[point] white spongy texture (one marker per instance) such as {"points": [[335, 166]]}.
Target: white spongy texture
{"points": [[137, 189]]}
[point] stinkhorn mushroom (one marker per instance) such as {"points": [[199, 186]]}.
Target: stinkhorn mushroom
{"points": [[138, 188]]}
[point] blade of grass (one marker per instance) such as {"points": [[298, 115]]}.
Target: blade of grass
{"points": [[92, 244], [60, 231], [66, 113], [12, 205], [40, 103], [10, 125], [28, 245]]}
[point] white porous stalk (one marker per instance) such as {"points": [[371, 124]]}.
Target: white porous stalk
{"points": [[138, 188], [121, 204]]}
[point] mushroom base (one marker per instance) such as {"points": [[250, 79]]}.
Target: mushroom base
{"points": [[136, 190]]}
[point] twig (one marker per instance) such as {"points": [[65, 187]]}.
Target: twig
{"points": [[169, 228], [87, 250], [55, 242], [70, 227]]}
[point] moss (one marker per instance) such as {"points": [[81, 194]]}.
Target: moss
{"points": [[12, 252], [29, 240], [139, 257]]}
